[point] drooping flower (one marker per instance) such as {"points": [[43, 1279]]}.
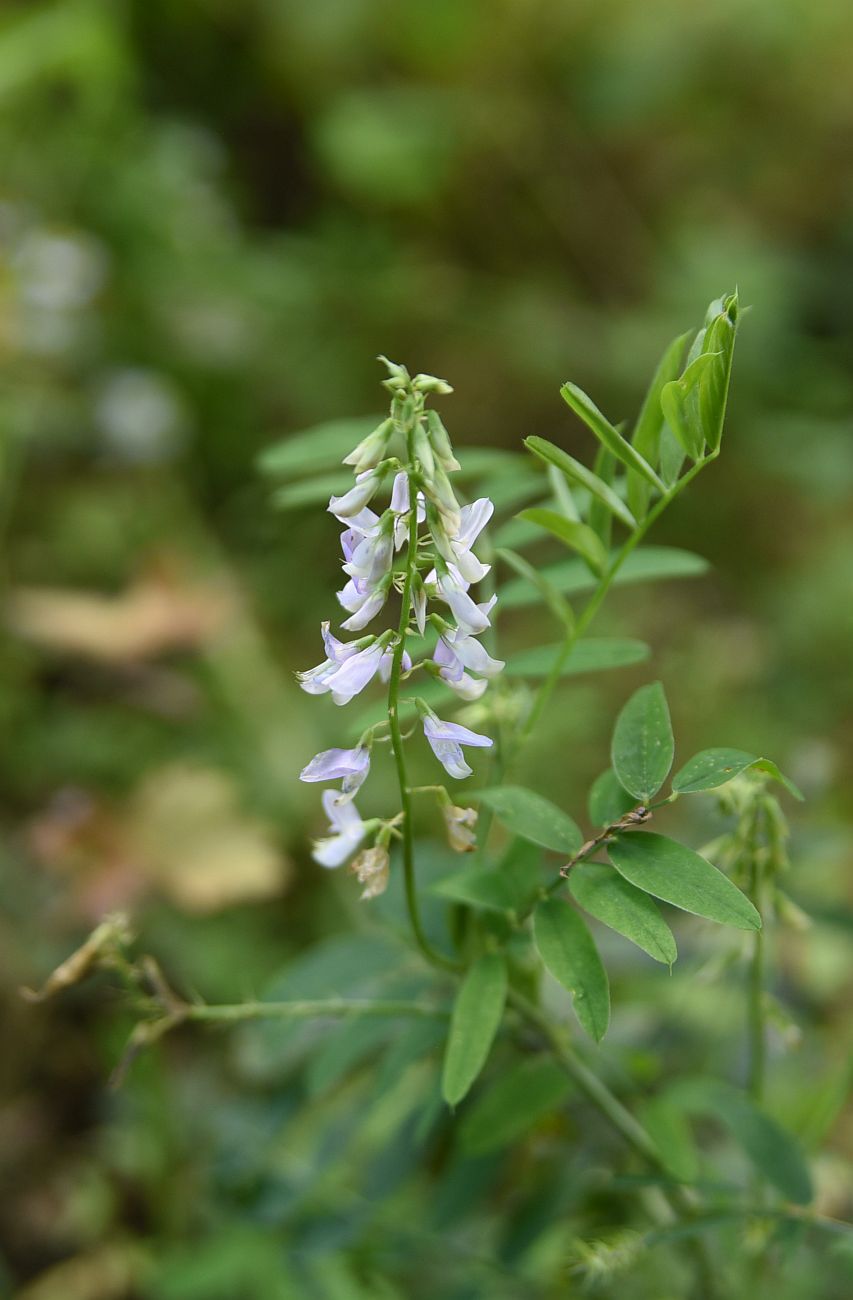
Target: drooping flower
{"points": [[460, 825], [350, 766], [363, 600], [446, 740], [454, 653], [316, 680], [469, 616], [456, 547], [371, 869], [452, 672], [346, 831], [346, 670], [359, 495]]}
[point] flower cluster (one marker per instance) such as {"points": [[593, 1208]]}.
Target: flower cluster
{"points": [[420, 546]]}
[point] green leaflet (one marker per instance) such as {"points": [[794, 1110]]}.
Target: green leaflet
{"points": [[579, 473], [643, 747], [569, 952], [477, 1014], [533, 818], [622, 907], [674, 873], [608, 800], [580, 537], [608, 435], [593, 654], [647, 432], [512, 1105], [572, 577], [711, 768]]}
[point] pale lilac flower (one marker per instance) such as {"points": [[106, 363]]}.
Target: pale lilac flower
{"points": [[368, 556], [452, 673], [355, 672], [456, 547], [446, 740], [350, 766], [354, 501], [363, 600], [469, 616], [346, 831], [471, 653], [387, 660], [316, 680], [400, 504]]}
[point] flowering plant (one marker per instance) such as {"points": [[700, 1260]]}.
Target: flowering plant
{"points": [[503, 942]]}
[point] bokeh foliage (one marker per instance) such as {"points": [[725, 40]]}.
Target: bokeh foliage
{"points": [[213, 216]]}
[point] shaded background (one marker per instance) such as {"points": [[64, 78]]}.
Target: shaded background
{"points": [[213, 216]]}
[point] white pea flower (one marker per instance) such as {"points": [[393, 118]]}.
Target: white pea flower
{"points": [[446, 740], [346, 831]]}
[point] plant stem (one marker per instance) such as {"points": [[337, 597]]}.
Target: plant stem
{"points": [[433, 957], [592, 606], [629, 1128], [308, 1009], [757, 975]]}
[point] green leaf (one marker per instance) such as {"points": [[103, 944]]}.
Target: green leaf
{"points": [[567, 948], [311, 491], [608, 800], [592, 655], [673, 402], [513, 1105], [533, 818], [773, 1151], [713, 386], [628, 911], [479, 887], [671, 871], [668, 1126], [558, 605], [572, 577], [643, 747], [578, 473], [317, 448], [521, 868], [580, 537], [647, 432], [711, 768], [607, 435], [477, 1014]]}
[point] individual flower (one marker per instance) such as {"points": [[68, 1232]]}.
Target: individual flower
{"points": [[346, 670], [359, 495], [460, 825], [456, 547], [371, 449], [350, 766], [346, 831], [400, 502], [371, 869], [470, 617], [446, 740], [456, 651], [363, 601], [452, 672], [316, 680], [368, 555], [387, 660]]}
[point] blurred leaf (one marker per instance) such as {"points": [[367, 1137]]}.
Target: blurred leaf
{"points": [[318, 448], [591, 655], [533, 818], [607, 435], [572, 577], [477, 1014], [643, 746], [346, 1047], [524, 1095], [568, 951], [773, 1151], [608, 800], [610, 899], [679, 876], [578, 473], [579, 537], [312, 491], [559, 607], [668, 1126], [479, 887]]}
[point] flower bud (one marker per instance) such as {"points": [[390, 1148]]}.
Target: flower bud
{"points": [[460, 824], [440, 440], [430, 384], [371, 449], [371, 869], [424, 452]]}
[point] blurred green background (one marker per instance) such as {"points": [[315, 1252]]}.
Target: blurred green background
{"points": [[213, 216]]}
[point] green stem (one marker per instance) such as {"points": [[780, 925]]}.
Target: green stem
{"points": [[757, 975], [433, 957], [629, 1128], [592, 606], [307, 1009]]}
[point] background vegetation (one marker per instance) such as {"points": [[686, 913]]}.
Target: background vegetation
{"points": [[213, 216]]}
